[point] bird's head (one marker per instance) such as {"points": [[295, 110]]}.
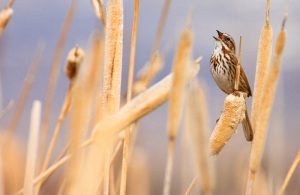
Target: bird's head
{"points": [[225, 40]]}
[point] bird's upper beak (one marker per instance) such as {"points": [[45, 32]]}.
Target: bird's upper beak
{"points": [[220, 34]]}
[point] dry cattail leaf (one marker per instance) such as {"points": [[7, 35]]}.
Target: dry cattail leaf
{"points": [[196, 124], [32, 148], [147, 74], [5, 16], [74, 61], [261, 185], [263, 61], [12, 168], [265, 110], [233, 114]]}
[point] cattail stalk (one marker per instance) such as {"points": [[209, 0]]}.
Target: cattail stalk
{"points": [[266, 108], [263, 61], [191, 187], [238, 68], [196, 124], [5, 16], [290, 174], [233, 114], [181, 63], [32, 148], [127, 138]]}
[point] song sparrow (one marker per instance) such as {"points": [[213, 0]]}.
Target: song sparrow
{"points": [[223, 66]]}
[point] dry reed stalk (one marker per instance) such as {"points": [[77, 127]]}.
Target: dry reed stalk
{"points": [[233, 114], [262, 66], [161, 25], [5, 16], [26, 88], [289, 174], [147, 74], [266, 108], [138, 171], [196, 123], [191, 187], [74, 59], [181, 63], [261, 185], [128, 131], [12, 171], [99, 11], [54, 73], [32, 148]]}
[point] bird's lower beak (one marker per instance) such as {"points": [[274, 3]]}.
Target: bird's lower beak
{"points": [[216, 38]]}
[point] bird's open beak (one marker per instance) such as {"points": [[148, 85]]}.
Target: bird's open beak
{"points": [[220, 34]]}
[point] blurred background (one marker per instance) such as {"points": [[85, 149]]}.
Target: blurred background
{"points": [[40, 21]]}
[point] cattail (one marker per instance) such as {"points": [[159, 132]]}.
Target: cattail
{"points": [[263, 61], [148, 73], [5, 16], [74, 60], [196, 123], [181, 64], [266, 108], [32, 148], [113, 56], [233, 114]]}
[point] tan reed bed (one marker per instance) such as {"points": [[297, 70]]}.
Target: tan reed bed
{"points": [[266, 108], [180, 68], [32, 148], [53, 76], [126, 145], [262, 66], [99, 11], [289, 174], [196, 123]]}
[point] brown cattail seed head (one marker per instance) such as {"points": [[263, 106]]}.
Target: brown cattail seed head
{"points": [[233, 114], [74, 59], [5, 16]]}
